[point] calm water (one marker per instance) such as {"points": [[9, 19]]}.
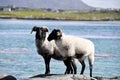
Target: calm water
{"points": [[18, 54]]}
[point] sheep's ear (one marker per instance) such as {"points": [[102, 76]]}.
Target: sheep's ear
{"points": [[45, 28], [59, 32], [34, 29]]}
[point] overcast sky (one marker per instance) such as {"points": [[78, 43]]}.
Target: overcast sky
{"points": [[103, 3]]}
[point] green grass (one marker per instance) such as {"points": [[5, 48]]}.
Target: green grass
{"points": [[69, 15]]}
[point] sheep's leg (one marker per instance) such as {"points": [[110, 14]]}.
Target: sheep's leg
{"points": [[71, 63], [47, 64], [83, 67], [91, 70], [68, 66], [66, 71], [74, 66]]}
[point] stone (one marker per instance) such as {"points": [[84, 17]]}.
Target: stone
{"points": [[4, 76], [60, 77]]}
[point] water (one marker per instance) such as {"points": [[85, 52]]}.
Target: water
{"points": [[18, 54]]}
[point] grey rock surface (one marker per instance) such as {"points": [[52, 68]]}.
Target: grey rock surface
{"points": [[60, 77], [4, 76], [69, 77]]}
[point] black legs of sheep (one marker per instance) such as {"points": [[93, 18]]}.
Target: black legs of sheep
{"points": [[74, 66], [71, 66], [91, 70], [47, 64], [68, 67], [83, 68]]}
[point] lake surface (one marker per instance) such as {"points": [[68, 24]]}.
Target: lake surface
{"points": [[18, 55]]}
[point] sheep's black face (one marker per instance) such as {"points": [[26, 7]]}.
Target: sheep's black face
{"points": [[55, 35], [40, 32]]}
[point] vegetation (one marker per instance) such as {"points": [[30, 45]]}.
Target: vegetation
{"points": [[61, 14]]}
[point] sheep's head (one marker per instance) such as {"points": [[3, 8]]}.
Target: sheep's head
{"points": [[56, 34], [43, 28], [40, 31]]}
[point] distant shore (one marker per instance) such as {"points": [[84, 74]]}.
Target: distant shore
{"points": [[63, 15], [28, 18]]}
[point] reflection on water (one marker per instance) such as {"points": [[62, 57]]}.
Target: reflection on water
{"points": [[14, 50]]}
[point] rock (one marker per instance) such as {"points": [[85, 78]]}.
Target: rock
{"points": [[69, 77], [108, 78], [60, 77], [4, 76]]}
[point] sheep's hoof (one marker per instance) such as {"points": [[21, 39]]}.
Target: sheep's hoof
{"points": [[47, 73]]}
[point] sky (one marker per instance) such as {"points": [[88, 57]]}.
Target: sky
{"points": [[103, 3]]}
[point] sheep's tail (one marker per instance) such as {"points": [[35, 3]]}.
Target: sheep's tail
{"points": [[91, 55], [91, 59]]}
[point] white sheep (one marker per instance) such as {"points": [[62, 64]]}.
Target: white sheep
{"points": [[49, 49], [74, 47]]}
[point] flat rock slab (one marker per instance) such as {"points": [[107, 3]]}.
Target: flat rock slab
{"points": [[60, 77], [4, 76], [108, 78]]}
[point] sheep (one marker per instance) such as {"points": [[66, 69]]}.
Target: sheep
{"points": [[75, 47], [49, 49]]}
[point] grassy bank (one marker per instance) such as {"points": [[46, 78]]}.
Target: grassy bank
{"points": [[63, 15]]}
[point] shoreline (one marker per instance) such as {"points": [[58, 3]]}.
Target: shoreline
{"points": [[28, 18]]}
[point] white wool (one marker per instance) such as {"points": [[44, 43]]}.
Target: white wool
{"points": [[45, 46], [70, 45]]}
